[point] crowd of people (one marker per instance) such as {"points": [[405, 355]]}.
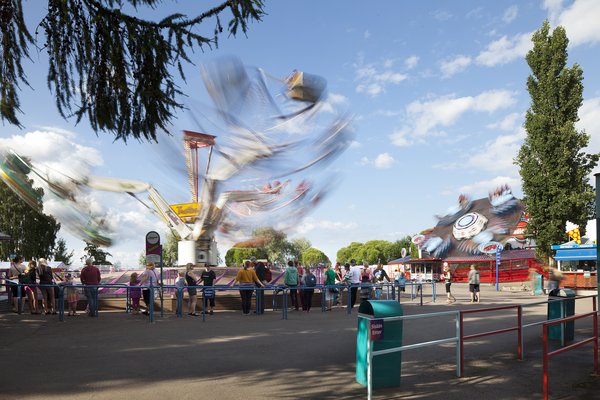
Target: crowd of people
{"points": [[360, 281]]}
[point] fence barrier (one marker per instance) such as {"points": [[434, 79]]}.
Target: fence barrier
{"points": [[547, 355]]}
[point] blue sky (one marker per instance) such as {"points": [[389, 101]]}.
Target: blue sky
{"points": [[437, 89]]}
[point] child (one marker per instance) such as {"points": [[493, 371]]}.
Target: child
{"points": [[366, 285], [180, 284], [135, 293], [72, 295]]}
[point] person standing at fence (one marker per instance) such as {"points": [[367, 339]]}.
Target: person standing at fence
{"points": [[474, 283], [419, 282], [148, 278], [447, 276], [29, 278], [330, 292], [261, 272], [290, 279], [378, 276], [90, 275], [246, 278], [208, 278], [180, 285], [191, 281], [45, 274], [72, 294], [135, 293], [309, 282], [355, 279], [16, 269]]}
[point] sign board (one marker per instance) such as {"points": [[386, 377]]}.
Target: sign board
{"points": [[186, 210], [153, 248], [403, 252], [490, 247], [376, 328]]}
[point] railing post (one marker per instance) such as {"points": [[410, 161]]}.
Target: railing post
{"points": [[595, 319], [151, 305], [421, 293], [520, 332], [458, 345], [19, 299], [204, 305], [349, 308], [461, 346], [61, 304], [545, 362], [285, 303], [323, 293], [179, 302]]}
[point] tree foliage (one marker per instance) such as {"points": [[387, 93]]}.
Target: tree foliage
{"points": [[313, 256], [96, 253], [376, 251], [553, 166], [236, 255], [109, 66], [33, 234], [61, 253]]}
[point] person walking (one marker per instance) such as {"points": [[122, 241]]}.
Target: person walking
{"points": [[447, 276], [378, 276], [208, 278], [246, 278], [473, 279], [290, 279], [90, 275]]}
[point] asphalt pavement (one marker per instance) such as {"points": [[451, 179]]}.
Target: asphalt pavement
{"points": [[309, 356]]}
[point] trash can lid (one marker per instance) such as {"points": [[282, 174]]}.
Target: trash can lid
{"points": [[565, 292], [381, 308]]}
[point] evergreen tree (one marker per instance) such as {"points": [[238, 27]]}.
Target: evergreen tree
{"points": [[32, 233], [313, 257], [96, 253], [60, 252], [553, 165], [110, 66]]}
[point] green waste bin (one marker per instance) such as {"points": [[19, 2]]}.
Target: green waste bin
{"points": [[561, 309], [386, 368]]}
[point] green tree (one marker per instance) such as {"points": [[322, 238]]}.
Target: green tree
{"points": [[313, 256], [238, 254], [61, 253], [277, 248], [112, 67], [96, 253], [553, 166], [169, 251], [299, 246], [345, 254], [33, 233]]}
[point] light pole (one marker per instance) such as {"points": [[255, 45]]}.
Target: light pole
{"points": [[597, 175]]}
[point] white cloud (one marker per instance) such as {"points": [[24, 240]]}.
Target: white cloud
{"points": [[367, 34], [505, 50], [411, 62], [510, 14], [374, 79], [400, 138], [498, 155], [335, 98], [364, 161], [445, 110], [580, 20], [384, 161], [482, 188], [355, 144], [508, 123], [442, 15], [554, 8], [455, 65], [589, 115], [310, 224]]}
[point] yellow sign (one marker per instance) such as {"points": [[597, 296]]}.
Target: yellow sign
{"points": [[186, 210]]}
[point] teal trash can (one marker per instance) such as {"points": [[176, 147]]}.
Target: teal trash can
{"points": [[561, 309], [386, 368]]}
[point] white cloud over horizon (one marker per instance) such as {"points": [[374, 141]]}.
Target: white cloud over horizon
{"points": [[455, 65], [426, 117], [373, 79]]}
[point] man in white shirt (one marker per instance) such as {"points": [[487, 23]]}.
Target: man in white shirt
{"points": [[354, 280]]}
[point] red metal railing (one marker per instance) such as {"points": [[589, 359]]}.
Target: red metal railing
{"points": [[547, 355], [517, 328]]}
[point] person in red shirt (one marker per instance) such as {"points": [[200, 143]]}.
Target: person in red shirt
{"points": [[90, 275]]}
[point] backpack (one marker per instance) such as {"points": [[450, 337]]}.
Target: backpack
{"points": [[268, 275], [311, 280]]}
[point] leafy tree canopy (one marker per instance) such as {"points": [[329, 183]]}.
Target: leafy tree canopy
{"points": [[96, 253], [313, 256], [33, 234], [376, 251], [109, 65], [236, 255], [553, 165], [61, 253]]}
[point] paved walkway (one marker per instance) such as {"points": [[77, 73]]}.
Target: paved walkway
{"points": [[309, 356]]}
